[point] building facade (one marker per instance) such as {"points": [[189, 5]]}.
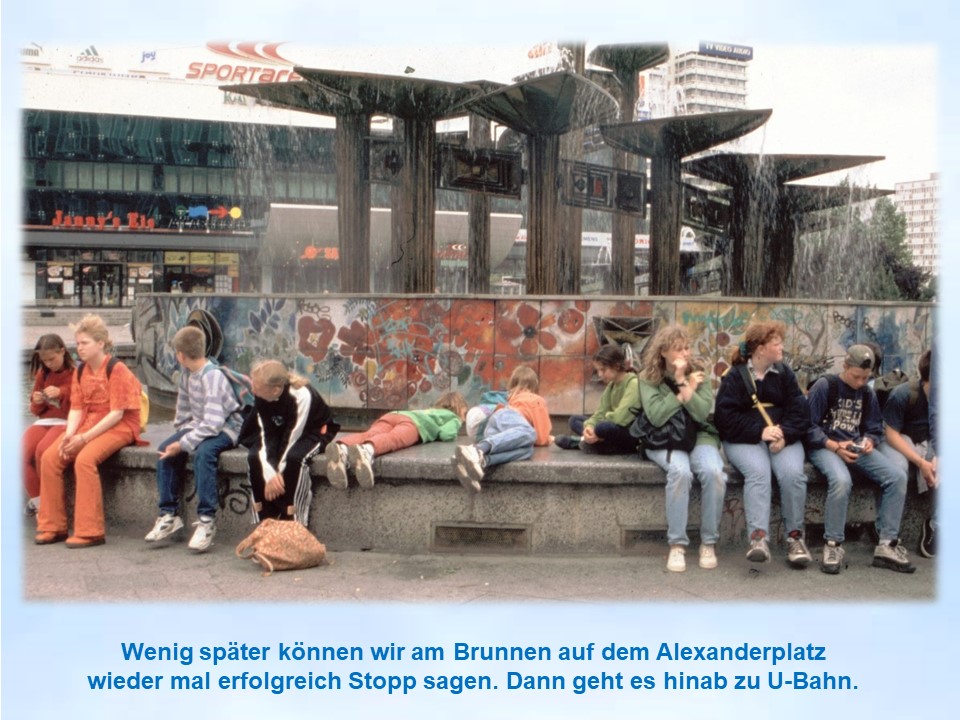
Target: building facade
{"points": [[712, 78], [919, 201]]}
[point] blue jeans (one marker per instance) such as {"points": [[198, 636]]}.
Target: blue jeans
{"points": [[616, 438], [877, 467], [507, 437], [900, 460], [206, 459], [705, 462], [756, 463]]}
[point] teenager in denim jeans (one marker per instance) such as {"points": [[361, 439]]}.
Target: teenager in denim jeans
{"points": [[672, 383], [759, 448], [844, 436], [207, 422], [511, 433]]}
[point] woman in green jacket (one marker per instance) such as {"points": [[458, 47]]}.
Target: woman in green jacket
{"points": [[672, 383]]}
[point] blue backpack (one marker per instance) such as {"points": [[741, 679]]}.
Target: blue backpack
{"points": [[240, 384]]}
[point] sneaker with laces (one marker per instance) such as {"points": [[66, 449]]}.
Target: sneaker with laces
{"points": [[797, 553], [928, 539], [203, 536], [892, 556], [165, 526], [567, 442], [676, 562], [461, 472], [361, 457], [759, 549], [832, 558], [708, 557], [472, 460], [337, 463]]}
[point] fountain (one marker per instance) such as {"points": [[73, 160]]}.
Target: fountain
{"points": [[625, 63], [666, 141], [543, 108], [764, 211], [352, 98]]}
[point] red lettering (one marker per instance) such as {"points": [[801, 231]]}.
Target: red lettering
{"points": [[239, 73]]}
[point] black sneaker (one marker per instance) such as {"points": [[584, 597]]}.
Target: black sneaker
{"points": [[567, 442], [928, 540]]}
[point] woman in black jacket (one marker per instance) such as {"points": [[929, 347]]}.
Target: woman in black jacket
{"points": [[762, 417], [290, 424]]}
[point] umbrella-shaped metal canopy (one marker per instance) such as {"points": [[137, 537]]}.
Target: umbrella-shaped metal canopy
{"points": [[809, 198], [402, 96], [547, 105], [729, 168], [684, 134], [629, 58]]}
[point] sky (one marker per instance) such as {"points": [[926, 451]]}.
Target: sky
{"points": [[819, 106]]}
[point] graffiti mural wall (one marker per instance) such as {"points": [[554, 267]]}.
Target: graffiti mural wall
{"points": [[396, 352]]}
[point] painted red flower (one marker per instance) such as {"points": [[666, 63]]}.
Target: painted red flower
{"points": [[314, 335], [526, 330], [353, 343]]}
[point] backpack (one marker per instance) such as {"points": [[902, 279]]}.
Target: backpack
{"points": [[479, 415], [144, 397], [885, 384], [240, 384]]}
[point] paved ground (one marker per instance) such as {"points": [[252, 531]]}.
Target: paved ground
{"points": [[128, 569]]}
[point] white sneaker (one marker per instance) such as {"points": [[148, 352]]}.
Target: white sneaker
{"points": [[360, 457], [472, 460], [759, 549], [203, 535], [797, 553], [165, 526], [337, 463], [464, 477], [675, 560], [708, 557]]}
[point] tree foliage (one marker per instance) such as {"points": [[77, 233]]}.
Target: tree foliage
{"points": [[859, 252]]}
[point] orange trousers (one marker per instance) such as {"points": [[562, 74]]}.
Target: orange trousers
{"points": [[88, 521], [36, 440], [389, 433]]}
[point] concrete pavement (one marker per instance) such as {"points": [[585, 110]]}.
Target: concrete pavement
{"points": [[129, 569]]}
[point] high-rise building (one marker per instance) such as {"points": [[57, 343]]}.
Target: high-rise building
{"points": [[712, 78], [919, 201]]}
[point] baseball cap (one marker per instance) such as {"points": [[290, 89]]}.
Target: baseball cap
{"points": [[859, 356]]}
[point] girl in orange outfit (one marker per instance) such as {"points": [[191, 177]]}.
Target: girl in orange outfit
{"points": [[104, 417], [52, 370]]}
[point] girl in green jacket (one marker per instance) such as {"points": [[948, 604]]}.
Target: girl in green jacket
{"points": [[607, 431], [391, 432]]}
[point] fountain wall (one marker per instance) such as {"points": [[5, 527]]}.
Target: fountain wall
{"points": [[391, 352]]}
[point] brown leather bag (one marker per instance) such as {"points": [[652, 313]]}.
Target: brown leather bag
{"points": [[282, 545]]}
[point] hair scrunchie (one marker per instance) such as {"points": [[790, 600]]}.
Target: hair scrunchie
{"points": [[743, 348]]}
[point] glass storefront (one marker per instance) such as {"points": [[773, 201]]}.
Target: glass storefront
{"points": [[113, 278]]}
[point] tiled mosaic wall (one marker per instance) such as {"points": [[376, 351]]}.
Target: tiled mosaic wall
{"points": [[403, 352]]}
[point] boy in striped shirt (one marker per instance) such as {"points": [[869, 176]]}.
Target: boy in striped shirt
{"points": [[207, 422]]}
